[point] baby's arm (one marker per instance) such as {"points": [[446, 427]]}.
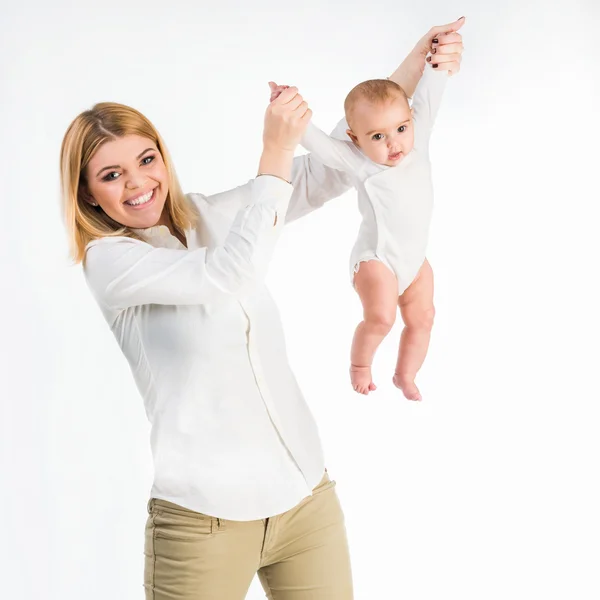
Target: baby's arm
{"points": [[343, 156], [426, 103], [334, 153]]}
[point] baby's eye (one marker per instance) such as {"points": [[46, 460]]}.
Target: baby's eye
{"points": [[110, 177], [377, 137], [402, 129], [147, 159]]}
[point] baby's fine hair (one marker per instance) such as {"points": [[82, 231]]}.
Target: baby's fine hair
{"points": [[373, 91]]}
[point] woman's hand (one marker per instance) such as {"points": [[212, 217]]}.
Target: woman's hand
{"points": [[286, 119], [276, 90], [446, 52], [445, 45]]}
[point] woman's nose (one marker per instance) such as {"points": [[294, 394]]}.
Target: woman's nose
{"points": [[134, 181]]}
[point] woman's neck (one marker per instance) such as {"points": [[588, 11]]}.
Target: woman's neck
{"points": [[165, 219]]}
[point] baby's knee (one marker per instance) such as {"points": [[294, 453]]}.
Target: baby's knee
{"points": [[420, 318], [380, 322]]}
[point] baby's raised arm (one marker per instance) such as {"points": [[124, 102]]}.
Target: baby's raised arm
{"points": [[337, 154], [426, 103]]}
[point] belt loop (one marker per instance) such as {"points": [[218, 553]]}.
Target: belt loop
{"points": [[215, 524], [149, 505]]}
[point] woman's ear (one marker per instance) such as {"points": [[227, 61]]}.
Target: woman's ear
{"points": [[352, 136], [86, 196]]}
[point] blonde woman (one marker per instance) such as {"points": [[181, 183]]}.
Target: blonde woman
{"points": [[240, 485]]}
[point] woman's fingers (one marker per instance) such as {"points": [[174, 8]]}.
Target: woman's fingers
{"points": [[447, 38], [439, 29], [450, 62], [301, 111], [276, 90], [306, 117], [286, 119], [287, 95], [444, 58], [447, 49], [446, 52], [448, 31], [293, 103]]}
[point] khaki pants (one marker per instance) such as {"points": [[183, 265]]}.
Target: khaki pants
{"points": [[299, 555]]}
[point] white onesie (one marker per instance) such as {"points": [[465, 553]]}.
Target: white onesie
{"points": [[395, 202]]}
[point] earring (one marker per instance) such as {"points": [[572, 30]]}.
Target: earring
{"points": [[94, 203]]}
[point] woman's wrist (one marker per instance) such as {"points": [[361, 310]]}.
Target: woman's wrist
{"points": [[276, 162], [409, 73]]}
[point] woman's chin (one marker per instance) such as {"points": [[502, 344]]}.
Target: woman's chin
{"points": [[142, 219]]}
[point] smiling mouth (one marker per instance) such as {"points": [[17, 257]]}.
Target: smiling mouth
{"points": [[141, 200], [395, 155]]}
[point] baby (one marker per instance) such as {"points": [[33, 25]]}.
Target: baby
{"points": [[386, 155]]}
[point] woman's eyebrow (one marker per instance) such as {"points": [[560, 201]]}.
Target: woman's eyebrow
{"points": [[144, 152], [118, 166]]}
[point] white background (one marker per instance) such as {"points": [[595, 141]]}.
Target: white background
{"points": [[489, 488]]}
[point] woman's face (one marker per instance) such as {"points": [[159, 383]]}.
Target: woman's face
{"points": [[128, 179]]}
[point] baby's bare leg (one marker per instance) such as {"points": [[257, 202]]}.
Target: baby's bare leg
{"points": [[416, 307], [378, 291]]}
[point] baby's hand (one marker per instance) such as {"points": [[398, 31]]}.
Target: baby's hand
{"points": [[276, 90]]}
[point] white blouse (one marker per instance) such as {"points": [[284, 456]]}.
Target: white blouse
{"points": [[395, 203], [232, 435]]}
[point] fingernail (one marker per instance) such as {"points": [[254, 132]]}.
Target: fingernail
{"points": [[435, 40], [434, 51], [461, 18], [429, 59], [434, 66]]}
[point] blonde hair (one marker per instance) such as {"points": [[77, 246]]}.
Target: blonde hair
{"points": [[374, 91], [105, 122]]}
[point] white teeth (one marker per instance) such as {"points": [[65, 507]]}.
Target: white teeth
{"points": [[141, 200]]}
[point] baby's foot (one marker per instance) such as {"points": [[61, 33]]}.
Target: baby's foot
{"points": [[408, 387], [361, 379]]}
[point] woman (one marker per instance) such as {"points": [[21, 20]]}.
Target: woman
{"points": [[240, 485]]}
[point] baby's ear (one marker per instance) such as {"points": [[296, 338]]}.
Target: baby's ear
{"points": [[352, 136]]}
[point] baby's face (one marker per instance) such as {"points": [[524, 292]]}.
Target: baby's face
{"points": [[383, 131]]}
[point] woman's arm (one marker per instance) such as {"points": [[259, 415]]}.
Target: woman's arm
{"points": [[124, 272]]}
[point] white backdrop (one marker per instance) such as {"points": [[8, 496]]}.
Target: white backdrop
{"points": [[488, 489]]}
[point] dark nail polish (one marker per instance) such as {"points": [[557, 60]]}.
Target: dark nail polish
{"points": [[429, 59], [434, 51], [434, 66], [435, 40]]}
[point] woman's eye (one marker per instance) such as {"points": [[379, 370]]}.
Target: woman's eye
{"points": [[377, 137], [110, 177], [402, 128], [147, 160]]}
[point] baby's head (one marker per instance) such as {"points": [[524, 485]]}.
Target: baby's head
{"points": [[380, 121]]}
